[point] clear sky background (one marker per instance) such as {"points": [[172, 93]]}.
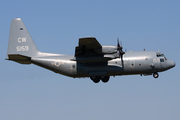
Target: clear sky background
{"points": [[28, 92]]}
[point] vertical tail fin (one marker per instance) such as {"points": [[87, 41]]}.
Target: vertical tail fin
{"points": [[20, 42]]}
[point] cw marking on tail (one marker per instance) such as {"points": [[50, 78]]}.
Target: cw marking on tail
{"points": [[20, 40]]}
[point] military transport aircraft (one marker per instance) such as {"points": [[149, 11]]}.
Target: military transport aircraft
{"points": [[91, 59]]}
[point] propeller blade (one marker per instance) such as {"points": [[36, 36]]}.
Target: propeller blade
{"points": [[119, 48], [121, 52]]}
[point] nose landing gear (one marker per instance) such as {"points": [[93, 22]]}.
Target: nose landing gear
{"points": [[155, 75]]}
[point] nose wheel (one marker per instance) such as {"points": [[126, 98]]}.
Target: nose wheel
{"points": [[156, 75]]}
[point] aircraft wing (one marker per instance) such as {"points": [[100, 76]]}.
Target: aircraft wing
{"points": [[90, 50], [87, 47], [89, 43]]}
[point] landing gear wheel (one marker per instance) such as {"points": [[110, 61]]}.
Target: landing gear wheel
{"points": [[156, 75], [95, 79], [105, 79]]}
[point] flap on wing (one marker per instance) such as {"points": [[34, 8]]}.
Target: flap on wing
{"points": [[89, 43]]}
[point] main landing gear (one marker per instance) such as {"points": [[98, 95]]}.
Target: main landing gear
{"points": [[96, 79], [155, 75]]}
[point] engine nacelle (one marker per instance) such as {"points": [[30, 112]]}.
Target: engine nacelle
{"points": [[107, 50]]}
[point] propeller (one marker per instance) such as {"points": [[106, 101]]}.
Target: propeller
{"points": [[121, 52], [119, 48]]}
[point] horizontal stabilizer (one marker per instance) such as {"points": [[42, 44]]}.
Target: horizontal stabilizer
{"points": [[19, 58]]}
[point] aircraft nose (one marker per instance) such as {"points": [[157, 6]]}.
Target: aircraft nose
{"points": [[170, 64]]}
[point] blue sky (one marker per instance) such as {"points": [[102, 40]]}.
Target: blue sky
{"points": [[33, 93]]}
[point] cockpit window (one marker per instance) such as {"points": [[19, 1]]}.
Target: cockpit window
{"points": [[161, 60], [158, 54]]}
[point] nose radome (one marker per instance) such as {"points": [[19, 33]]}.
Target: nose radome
{"points": [[170, 64], [174, 64]]}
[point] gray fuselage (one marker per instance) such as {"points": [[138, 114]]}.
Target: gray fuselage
{"points": [[143, 62]]}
